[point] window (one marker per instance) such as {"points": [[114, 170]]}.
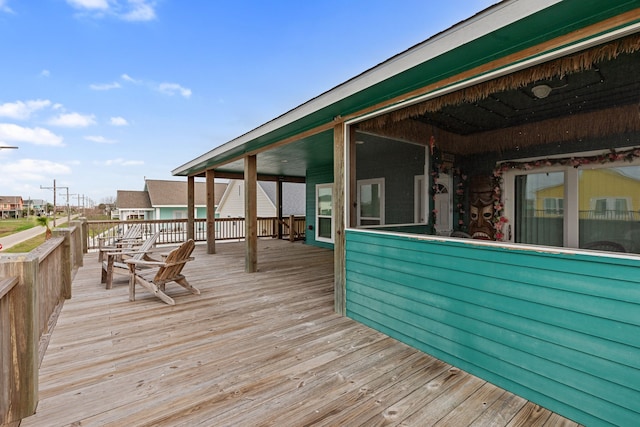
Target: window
{"points": [[324, 213], [371, 202], [553, 206], [575, 207]]}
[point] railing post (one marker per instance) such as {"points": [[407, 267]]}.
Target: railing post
{"points": [[19, 341], [292, 226], [84, 225], [67, 261]]}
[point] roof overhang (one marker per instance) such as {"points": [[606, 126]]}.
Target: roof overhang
{"points": [[469, 49]]}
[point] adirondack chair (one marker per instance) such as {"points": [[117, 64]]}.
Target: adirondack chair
{"points": [[128, 239], [169, 270], [115, 262]]}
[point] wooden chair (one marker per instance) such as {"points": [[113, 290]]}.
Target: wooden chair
{"points": [[128, 239], [115, 262], [169, 270]]}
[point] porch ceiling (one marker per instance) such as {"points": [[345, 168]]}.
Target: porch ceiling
{"points": [[290, 160], [611, 84], [591, 95]]}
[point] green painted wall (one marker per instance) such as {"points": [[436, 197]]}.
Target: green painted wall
{"points": [[167, 213], [314, 177], [560, 330], [398, 163]]}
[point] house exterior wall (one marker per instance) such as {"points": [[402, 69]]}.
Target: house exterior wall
{"points": [[169, 212], [559, 329], [315, 177], [232, 203], [402, 162]]}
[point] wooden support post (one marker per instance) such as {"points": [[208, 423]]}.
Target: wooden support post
{"points": [[251, 213], [279, 208], [338, 218], [292, 228], [191, 197], [211, 212]]}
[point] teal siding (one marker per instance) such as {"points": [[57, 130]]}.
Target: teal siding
{"points": [[314, 177], [558, 329]]}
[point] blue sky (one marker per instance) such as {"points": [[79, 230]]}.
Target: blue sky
{"points": [[99, 94]]}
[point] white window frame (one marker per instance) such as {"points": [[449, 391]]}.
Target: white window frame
{"points": [[420, 198], [380, 182], [318, 216]]}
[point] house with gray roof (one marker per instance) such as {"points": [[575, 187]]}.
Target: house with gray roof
{"points": [[164, 199]]}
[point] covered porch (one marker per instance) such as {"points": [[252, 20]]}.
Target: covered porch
{"points": [[253, 349]]}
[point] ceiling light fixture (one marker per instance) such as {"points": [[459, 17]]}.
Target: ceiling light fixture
{"points": [[541, 91]]}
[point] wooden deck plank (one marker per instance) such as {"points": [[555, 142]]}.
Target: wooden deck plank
{"points": [[253, 349]]}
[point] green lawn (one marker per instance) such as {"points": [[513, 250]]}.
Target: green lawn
{"points": [[26, 246], [10, 226]]}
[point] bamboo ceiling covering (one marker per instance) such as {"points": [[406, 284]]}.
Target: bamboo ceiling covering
{"points": [[595, 93]]}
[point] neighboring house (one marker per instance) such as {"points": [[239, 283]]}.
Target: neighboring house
{"points": [[608, 208], [163, 199], [36, 206], [132, 205], [449, 132], [232, 202], [11, 207]]}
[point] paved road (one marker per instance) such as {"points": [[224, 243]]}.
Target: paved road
{"points": [[21, 236]]}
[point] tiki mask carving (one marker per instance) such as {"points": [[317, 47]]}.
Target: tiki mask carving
{"points": [[481, 209]]}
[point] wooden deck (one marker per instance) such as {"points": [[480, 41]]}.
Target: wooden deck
{"points": [[253, 350]]}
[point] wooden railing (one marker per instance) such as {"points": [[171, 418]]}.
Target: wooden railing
{"points": [[175, 230], [32, 288]]}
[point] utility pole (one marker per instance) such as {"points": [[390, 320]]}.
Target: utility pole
{"points": [[68, 208], [54, 200]]}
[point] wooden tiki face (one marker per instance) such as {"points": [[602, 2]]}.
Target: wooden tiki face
{"points": [[481, 209]]}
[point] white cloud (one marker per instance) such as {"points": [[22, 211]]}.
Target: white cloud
{"points": [[105, 86], [165, 87], [126, 10], [20, 110], [39, 136], [89, 4], [140, 10], [4, 7], [173, 88], [118, 121], [45, 73], [129, 79], [123, 162], [34, 170], [73, 120], [100, 139]]}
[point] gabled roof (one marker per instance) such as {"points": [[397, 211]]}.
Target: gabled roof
{"points": [[11, 199], [174, 193], [133, 200]]}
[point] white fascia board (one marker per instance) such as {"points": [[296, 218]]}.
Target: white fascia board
{"points": [[483, 23]]}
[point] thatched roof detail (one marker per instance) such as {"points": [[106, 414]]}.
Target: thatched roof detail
{"points": [[559, 68]]}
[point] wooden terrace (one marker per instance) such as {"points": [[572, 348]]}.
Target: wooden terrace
{"points": [[253, 349]]}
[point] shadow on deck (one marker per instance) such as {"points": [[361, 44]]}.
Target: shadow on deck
{"points": [[253, 349]]}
